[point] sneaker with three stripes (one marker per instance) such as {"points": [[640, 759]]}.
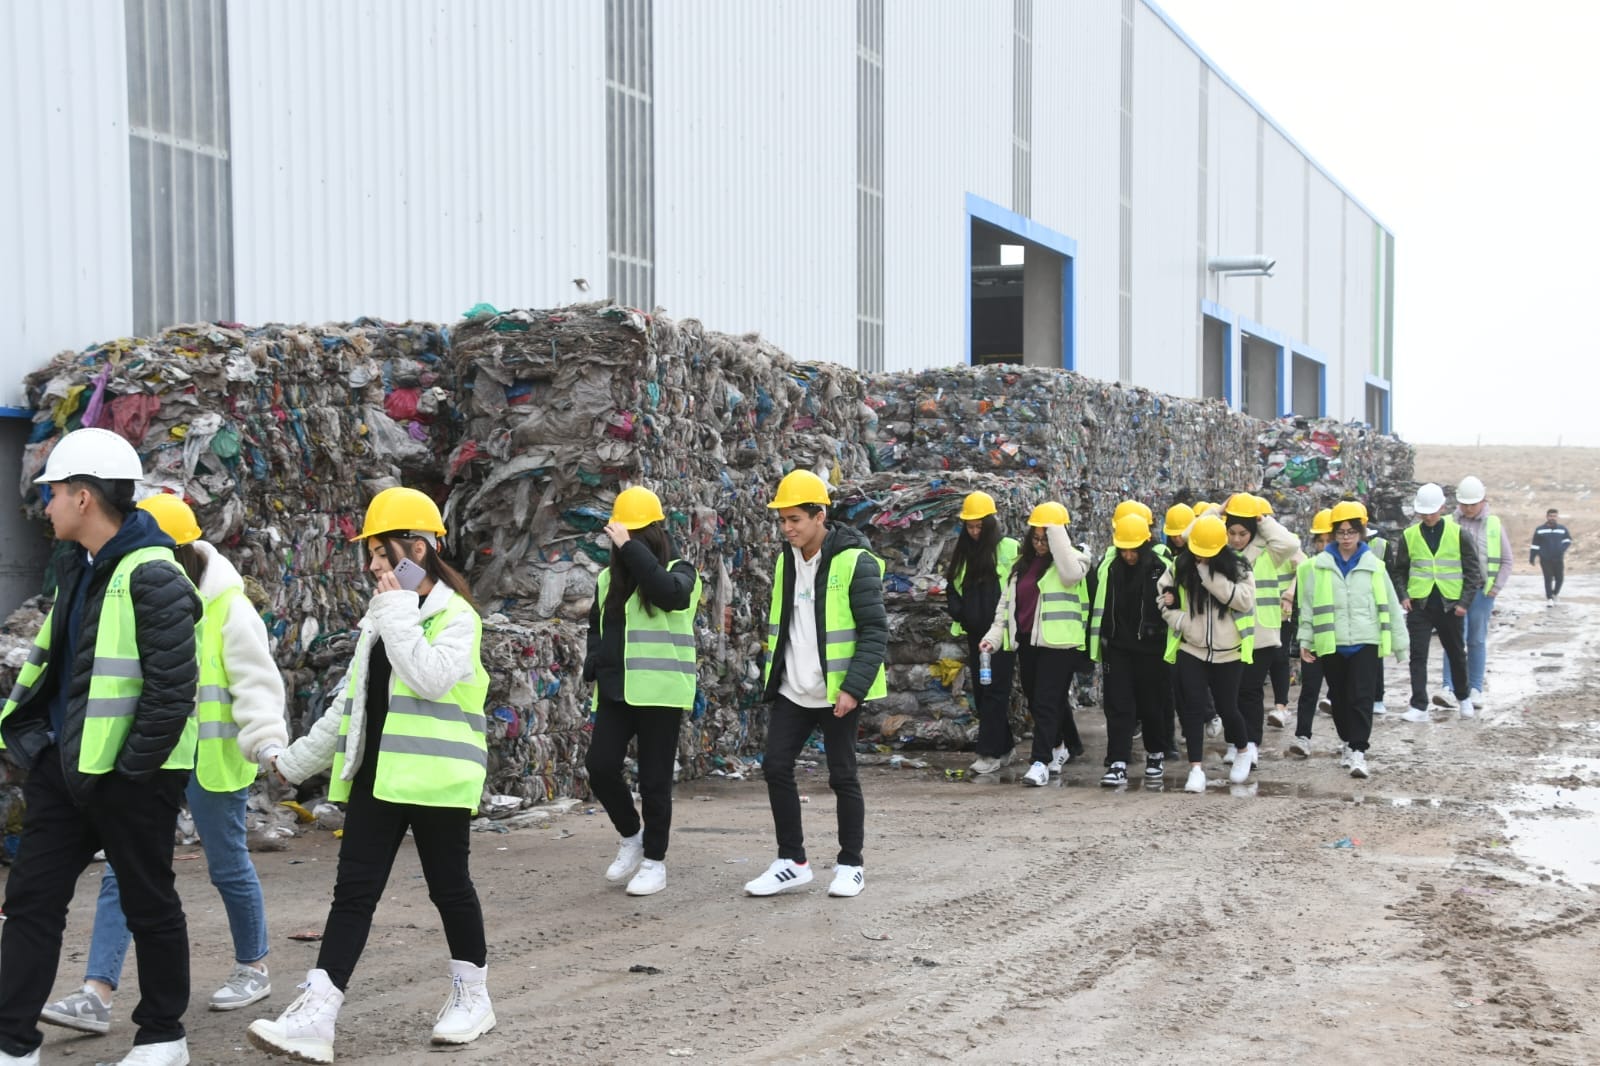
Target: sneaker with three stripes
{"points": [[781, 876]]}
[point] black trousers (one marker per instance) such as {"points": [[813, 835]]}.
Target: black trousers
{"points": [[1047, 683], [1281, 667], [1352, 681], [373, 832], [992, 701], [134, 822], [788, 728], [1137, 688], [1252, 693], [1555, 570], [615, 724], [1311, 678], [1422, 621], [1207, 686]]}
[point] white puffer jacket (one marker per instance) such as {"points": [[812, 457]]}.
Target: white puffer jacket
{"points": [[1282, 547], [253, 678]]}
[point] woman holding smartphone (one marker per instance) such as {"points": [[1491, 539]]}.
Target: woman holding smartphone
{"points": [[406, 743]]}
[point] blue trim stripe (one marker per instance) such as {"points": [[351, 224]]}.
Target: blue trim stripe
{"points": [[1230, 343], [16, 412], [1024, 228]]}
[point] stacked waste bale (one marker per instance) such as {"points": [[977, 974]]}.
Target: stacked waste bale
{"points": [[1309, 464]]}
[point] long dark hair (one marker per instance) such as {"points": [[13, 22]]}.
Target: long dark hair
{"points": [[397, 548], [623, 581], [1028, 554], [1227, 562], [193, 563], [975, 558]]}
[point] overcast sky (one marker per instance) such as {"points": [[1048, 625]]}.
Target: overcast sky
{"points": [[1472, 130]]}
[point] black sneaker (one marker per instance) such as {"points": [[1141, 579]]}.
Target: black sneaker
{"points": [[1117, 775], [1155, 766]]}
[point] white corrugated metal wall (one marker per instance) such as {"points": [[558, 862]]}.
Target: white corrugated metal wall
{"points": [[1358, 310], [947, 106], [1284, 215], [755, 133], [409, 158], [1325, 264], [66, 275]]}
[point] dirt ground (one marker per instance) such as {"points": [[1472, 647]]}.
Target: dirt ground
{"points": [[1007, 924]]}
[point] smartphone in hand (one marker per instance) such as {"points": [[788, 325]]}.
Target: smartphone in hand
{"points": [[409, 574]]}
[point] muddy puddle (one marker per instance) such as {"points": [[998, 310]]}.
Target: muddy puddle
{"points": [[1556, 827]]}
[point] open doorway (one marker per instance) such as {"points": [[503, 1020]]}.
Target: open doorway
{"points": [[1309, 390], [1378, 407], [1214, 359], [1261, 367], [1019, 289]]}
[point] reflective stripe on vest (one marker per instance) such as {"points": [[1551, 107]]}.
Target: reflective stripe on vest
{"points": [[1270, 588], [1098, 611], [219, 764], [1247, 642], [1492, 560], [1379, 547], [432, 753], [1005, 557], [1063, 612], [1429, 570], [658, 650], [1324, 641], [838, 645]]}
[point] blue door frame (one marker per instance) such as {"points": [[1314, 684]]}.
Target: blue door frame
{"points": [[1025, 229]]}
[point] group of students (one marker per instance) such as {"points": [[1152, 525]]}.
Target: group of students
{"points": [[1195, 624]]}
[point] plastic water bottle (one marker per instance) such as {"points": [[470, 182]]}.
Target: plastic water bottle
{"points": [[985, 675]]}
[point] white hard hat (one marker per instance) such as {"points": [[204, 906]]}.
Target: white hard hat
{"points": [[1430, 499], [1470, 490], [92, 453]]}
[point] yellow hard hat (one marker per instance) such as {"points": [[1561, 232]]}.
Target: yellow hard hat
{"points": [[1322, 521], [1243, 505], [1049, 513], [401, 510], [1347, 511], [636, 508], [1127, 507], [1210, 536], [173, 516], [1130, 531], [1263, 505], [1179, 515], [798, 487], [1202, 506], [977, 505]]}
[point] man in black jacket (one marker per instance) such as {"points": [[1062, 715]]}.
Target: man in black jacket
{"points": [[1127, 635], [1550, 544], [827, 639], [101, 719]]}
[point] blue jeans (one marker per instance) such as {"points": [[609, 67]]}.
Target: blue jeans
{"points": [[1477, 642], [219, 819]]}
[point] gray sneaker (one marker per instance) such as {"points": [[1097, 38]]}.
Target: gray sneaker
{"points": [[246, 985], [83, 1011]]}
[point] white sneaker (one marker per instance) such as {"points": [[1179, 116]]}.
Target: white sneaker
{"points": [[1058, 758], [1214, 727], [781, 876], [30, 1059], [1196, 781], [984, 764], [467, 1014], [1416, 714], [1038, 775], [246, 985], [304, 1032], [1325, 706], [630, 853], [848, 880], [1344, 756], [1467, 710], [1446, 700], [1241, 766], [1230, 755], [1300, 746], [1378, 709], [1476, 696], [1278, 717], [651, 878], [1358, 764], [83, 1010], [166, 1053]]}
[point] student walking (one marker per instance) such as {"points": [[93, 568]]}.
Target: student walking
{"points": [[1436, 570], [1348, 625], [1271, 551], [102, 721], [406, 746], [1044, 614], [239, 718], [827, 639], [641, 662], [1550, 544], [1208, 590], [979, 568], [1311, 670], [1127, 636], [1494, 548]]}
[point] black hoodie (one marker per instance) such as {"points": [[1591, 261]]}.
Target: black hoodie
{"points": [[866, 603], [166, 611]]}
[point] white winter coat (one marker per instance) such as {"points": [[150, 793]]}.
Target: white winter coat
{"points": [[253, 678], [1282, 547]]}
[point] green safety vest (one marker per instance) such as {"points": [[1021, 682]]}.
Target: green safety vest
{"points": [[658, 650], [117, 679], [1429, 570], [1063, 611], [1005, 557], [1491, 563], [1272, 581], [432, 753], [1246, 628], [220, 766], [1379, 547], [1324, 641], [838, 645]]}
